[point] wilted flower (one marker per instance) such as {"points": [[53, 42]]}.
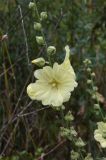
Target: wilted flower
{"points": [[39, 62], [53, 85], [100, 134]]}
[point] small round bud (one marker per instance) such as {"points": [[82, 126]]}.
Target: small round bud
{"points": [[96, 106], [40, 62], [37, 26], [51, 50], [89, 61], [93, 74], [31, 5], [95, 88], [79, 143], [89, 157], [94, 96], [69, 117], [89, 81], [74, 155], [40, 40], [88, 69], [43, 15]]}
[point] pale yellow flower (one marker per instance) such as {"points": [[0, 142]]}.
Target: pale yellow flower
{"points": [[54, 84], [100, 134]]}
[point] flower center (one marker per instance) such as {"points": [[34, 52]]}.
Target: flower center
{"points": [[54, 84]]}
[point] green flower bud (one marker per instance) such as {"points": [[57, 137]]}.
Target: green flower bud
{"points": [[69, 117], [58, 108], [40, 40], [75, 155], [43, 15], [89, 81], [79, 143], [88, 157], [87, 61], [40, 62], [96, 106], [51, 50], [31, 5], [37, 26], [88, 69], [94, 96], [73, 131], [65, 132], [93, 74], [95, 88]]}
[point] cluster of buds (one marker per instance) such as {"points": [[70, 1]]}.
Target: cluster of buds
{"points": [[93, 89], [68, 133], [40, 39]]}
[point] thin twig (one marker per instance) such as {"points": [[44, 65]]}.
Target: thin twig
{"points": [[24, 32], [52, 150]]}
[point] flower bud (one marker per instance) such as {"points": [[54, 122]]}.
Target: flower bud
{"points": [[31, 5], [89, 81], [96, 106], [95, 88], [93, 74], [88, 69], [43, 15], [74, 155], [89, 157], [37, 26], [51, 50], [87, 61], [69, 117], [94, 97], [79, 143], [40, 62], [40, 40]]}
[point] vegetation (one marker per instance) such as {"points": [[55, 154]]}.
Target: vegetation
{"points": [[41, 29]]}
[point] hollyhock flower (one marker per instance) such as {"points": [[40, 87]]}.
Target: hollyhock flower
{"points": [[54, 84]]}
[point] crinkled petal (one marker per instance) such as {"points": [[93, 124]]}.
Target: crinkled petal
{"points": [[54, 98], [44, 74], [38, 91]]}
